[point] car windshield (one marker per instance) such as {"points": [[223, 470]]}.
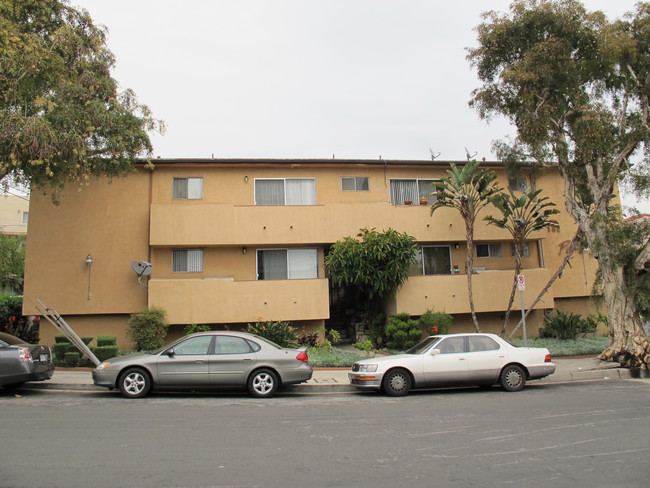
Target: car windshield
{"points": [[423, 346]]}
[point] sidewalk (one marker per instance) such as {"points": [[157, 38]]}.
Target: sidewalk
{"points": [[336, 379]]}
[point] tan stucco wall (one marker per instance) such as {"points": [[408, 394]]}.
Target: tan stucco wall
{"points": [[12, 209]]}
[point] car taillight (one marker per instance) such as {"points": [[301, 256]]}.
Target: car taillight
{"points": [[547, 359], [302, 357], [23, 354]]}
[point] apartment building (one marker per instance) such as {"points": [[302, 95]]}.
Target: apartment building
{"points": [[231, 241]]}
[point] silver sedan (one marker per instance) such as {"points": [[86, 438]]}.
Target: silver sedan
{"points": [[207, 360], [454, 359]]}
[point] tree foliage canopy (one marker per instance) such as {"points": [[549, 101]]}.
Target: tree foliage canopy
{"points": [[62, 117], [377, 262]]}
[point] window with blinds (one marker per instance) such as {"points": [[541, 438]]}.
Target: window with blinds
{"points": [[285, 191], [187, 260], [411, 190], [187, 189], [287, 264]]}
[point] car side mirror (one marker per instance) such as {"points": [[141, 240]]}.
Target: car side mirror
{"points": [[169, 352], [434, 352]]}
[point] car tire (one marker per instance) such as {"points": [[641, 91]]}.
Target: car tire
{"points": [[397, 382], [263, 383], [134, 383], [512, 378]]}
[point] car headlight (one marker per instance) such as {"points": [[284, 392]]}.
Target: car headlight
{"points": [[367, 368], [104, 365]]}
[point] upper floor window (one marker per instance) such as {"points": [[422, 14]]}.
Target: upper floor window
{"points": [[432, 260], [525, 252], [187, 189], [517, 184], [187, 260], [355, 183], [411, 190], [488, 250], [287, 264], [25, 217], [285, 191]]}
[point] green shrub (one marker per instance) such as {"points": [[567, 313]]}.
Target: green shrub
{"points": [[308, 340], [106, 341], [61, 339], [105, 352], [282, 333], [194, 328], [12, 320], [59, 349], [560, 325], [402, 332], [435, 322], [87, 340], [335, 358], [148, 329], [71, 359]]}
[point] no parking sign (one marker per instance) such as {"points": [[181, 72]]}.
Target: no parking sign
{"points": [[521, 283]]}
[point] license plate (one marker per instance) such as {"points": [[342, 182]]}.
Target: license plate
{"points": [[44, 358]]}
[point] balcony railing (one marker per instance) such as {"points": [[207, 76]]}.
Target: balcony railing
{"points": [[189, 301]]}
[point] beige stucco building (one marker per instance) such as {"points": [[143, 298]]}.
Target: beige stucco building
{"points": [[14, 214], [232, 241]]}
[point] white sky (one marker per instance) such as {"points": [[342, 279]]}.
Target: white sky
{"points": [[306, 78]]}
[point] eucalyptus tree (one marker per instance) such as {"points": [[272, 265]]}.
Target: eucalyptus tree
{"points": [[521, 215], [577, 88], [62, 117], [466, 189]]}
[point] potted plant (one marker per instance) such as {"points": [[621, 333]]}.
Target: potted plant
{"points": [[424, 201], [408, 202]]}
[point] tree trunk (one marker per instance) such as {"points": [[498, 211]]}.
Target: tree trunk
{"points": [[628, 342], [469, 229], [514, 289]]}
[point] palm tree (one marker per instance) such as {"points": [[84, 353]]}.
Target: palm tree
{"points": [[466, 189], [521, 215]]}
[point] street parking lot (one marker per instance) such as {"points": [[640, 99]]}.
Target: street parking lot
{"points": [[578, 434]]}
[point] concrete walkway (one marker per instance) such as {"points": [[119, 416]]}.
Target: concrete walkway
{"points": [[336, 379]]}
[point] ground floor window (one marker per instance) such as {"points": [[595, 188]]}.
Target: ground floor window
{"points": [[432, 260], [287, 264]]}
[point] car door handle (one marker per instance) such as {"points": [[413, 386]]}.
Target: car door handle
{"points": [[199, 361], [247, 359], [461, 359]]}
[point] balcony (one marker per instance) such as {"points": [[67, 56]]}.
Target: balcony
{"points": [[189, 301], [491, 290], [199, 224]]}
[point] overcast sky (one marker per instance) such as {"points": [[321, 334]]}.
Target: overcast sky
{"points": [[306, 78]]}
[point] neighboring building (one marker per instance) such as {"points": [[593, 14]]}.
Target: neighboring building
{"points": [[233, 241], [14, 213]]}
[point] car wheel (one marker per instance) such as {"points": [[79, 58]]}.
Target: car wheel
{"points": [[134, 383], [512, 378], [263, 383], [397, 382]]}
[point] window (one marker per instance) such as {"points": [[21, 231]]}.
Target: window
{"points": [[187, 189], [25, 217], [187, 260], [488, 250], [195, 345], [287, 264], [355, 183], [285, 191], [518, 184], [526, 251], [451, 345], [231, 345], [482, 343], [432, 260], [411, 190]]}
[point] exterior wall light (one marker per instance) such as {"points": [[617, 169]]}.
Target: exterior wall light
{"points": [[244, 250], [89, 263]]}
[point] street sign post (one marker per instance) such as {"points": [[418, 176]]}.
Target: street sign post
{"points": [[521, 285]]}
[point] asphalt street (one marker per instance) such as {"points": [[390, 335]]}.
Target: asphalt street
{"points": [[592, 434]]}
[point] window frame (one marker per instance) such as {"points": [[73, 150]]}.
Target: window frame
{"points": [[518, 183], [191, 192], [25, 217], [358, 183], [187, 260], [284, 185], [422, 262], [416, 200], [288, 273], [490, 247]]}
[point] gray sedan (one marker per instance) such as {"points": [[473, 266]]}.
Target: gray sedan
{"points": [[454, 359], [207, 360], [21, 362]]}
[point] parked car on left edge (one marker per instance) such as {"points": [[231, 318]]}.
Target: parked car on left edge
{"points": [[207, 360], [21, 362]]}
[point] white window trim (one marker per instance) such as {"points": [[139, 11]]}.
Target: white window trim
{"points": [[356, 182], [285, 189], [288, 250]]}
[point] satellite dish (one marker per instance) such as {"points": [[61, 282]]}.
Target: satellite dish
{"points": [[141, 268]]}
